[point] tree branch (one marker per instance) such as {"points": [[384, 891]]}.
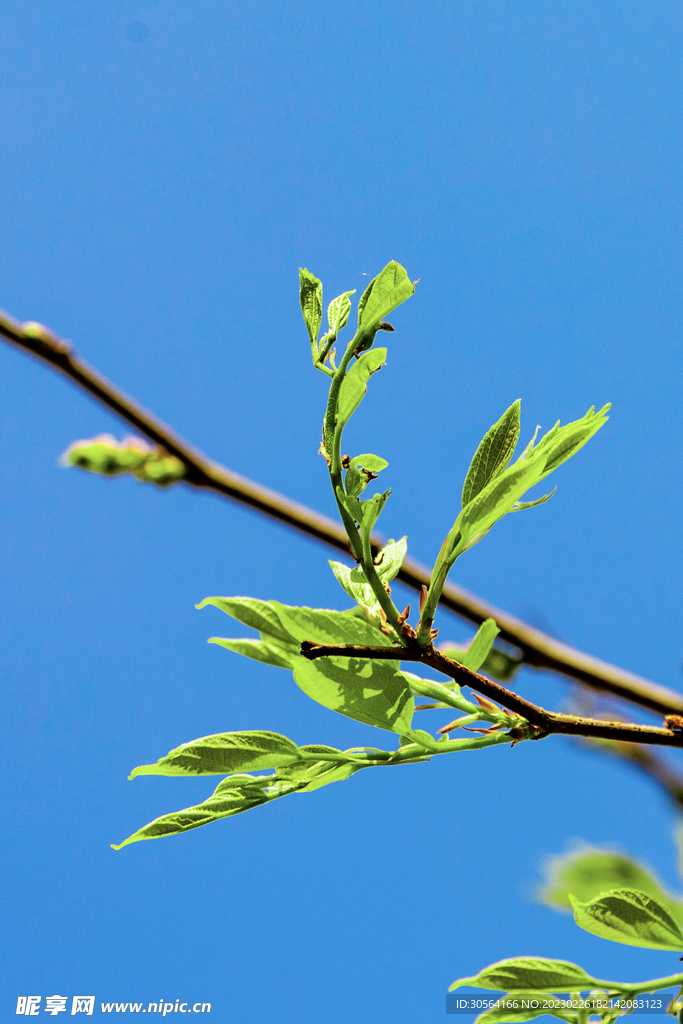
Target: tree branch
{"points": [[544, 722], [538, 649]]}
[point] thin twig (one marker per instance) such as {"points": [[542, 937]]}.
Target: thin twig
{"points": [[538, 650], [545, 722]]}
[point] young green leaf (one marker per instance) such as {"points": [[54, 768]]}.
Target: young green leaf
{"points": [[258, 650], [530, 972], [371, 511], [355, 583], [493, 454], [373, 692], [251, 612], [589, 873], [519, 506], [240, 793], [323, 626], [560, 443], [354, 386], [225, 752], [479, 649], [497, 498], [385, 292], [390, 559], [231, 796], [521, 1006], [338, 311], [311, 300], [631, 917], [362, 469]]}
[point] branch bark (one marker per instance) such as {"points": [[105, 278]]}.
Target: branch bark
{"points": [[545, 722], [538, 650]]}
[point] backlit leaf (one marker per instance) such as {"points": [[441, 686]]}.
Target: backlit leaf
{"points": [[369, 691], [530, 972], [385, 292], [478, 650], [493, 454], [258, 650], [226, 752], [311, 300], [631, 917], [338, 311], [354, 385]]}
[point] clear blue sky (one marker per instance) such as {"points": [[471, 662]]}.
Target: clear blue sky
{"points": [[523, 160]]}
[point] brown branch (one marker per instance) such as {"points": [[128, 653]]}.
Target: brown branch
{"points": [[538, 649], [545, 722]]}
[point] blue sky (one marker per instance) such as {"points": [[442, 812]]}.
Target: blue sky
{"points": [[523, 161]]}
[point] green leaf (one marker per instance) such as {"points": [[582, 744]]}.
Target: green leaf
{"points": [[497, 498], [369, 691], [519, 506], [589, 873], [232, 796], [560, 443], [311, 300], [223, 753], [240, 793], [338, 311], [385, 292], [479, 649], [324, 626], [493, 454], [521, 1006], [530, 972], [258, 650], [390, 559], [355, 583], [372, 509], [353, 387], [361, 471], [631, 917], [251, 612]]}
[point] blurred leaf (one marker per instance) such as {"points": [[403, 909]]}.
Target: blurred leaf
{"points": [[493, 454], [589, 873], [311, 300], [258, 650], [385, 292], [631, 917], [105, 455], [530, 972], [353, 387], [338, 311], [369, 691], [225, 752]]}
